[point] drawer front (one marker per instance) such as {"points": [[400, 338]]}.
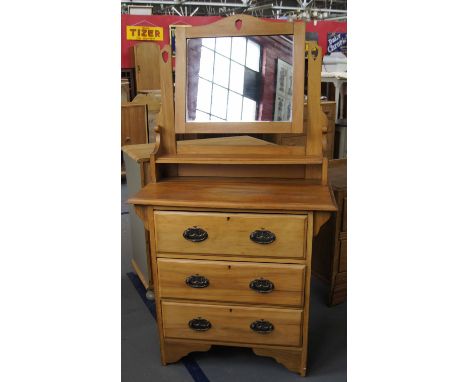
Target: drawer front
{"points": [[222, 233], [270, 284], [226, 323]]}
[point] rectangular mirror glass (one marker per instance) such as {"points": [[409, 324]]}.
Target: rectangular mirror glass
{"points": [[239, 79]]}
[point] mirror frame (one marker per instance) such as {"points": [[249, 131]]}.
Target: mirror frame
{"points": [[250, 26]]}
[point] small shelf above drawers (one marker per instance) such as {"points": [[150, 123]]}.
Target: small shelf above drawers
{"points": [[229, 281], [239, 159], [258, 235]]}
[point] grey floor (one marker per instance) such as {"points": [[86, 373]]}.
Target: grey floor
{"points": [[140, 340]]}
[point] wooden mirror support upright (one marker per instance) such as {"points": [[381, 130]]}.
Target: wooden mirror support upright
{"points": [[231, 220]]}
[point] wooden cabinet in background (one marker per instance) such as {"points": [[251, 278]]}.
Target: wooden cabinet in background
{"points": [[330, 253], [146, 56], [152, 100], [137, 160], [133, 124]]}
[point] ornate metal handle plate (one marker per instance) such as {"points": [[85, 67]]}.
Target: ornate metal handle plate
{"points": [[262, 285], [262, 326], [262, 236], [197, 281], [199, 324], [195, 234]]}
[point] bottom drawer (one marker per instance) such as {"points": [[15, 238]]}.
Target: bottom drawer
{"points": [[226, 323]]}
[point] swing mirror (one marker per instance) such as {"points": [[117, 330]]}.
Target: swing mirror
{"points": [[240, 75]]}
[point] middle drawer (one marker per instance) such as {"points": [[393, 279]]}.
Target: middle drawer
{"points": [[230, 281]]}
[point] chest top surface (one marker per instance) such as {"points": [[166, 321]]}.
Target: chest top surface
{"points": [[255, 194]]}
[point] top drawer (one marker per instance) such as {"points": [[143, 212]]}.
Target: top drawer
{"points": [[261, 235]]}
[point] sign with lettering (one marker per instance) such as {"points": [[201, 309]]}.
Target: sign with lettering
{"points": [[143, 33], [337, 42]]}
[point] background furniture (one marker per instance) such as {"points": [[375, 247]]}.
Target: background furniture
{"points": [[134, 125], [152, 100], [136, 158], [338, 82], [341, 132], [146, 56], [129, 75], [330, 254]]}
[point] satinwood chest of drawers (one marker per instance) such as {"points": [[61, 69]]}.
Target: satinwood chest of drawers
{"points": [[231, 219], [231, 263]]}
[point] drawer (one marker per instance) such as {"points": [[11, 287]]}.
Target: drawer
{"points": [[231, 234], [227, 323], [256, 283]]}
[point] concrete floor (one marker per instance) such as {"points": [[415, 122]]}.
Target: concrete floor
{"points": [[140, 340]]}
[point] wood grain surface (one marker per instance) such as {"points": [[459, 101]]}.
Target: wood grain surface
{"points": [[239, 159], [250, 26], [229, 281], [146, 56], [222, 193], [289, 171], [229, 233], [231, 323], [292, 359], [139, 153], [133, 124]]}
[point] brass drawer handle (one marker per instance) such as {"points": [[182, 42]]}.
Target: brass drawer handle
{"points": [[262, 285], [195, 234], [199, 324], [262, 326], [197, 281], [262, 236]]}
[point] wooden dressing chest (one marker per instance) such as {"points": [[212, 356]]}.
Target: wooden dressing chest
{"points": [[233, 269], [231, 220]]}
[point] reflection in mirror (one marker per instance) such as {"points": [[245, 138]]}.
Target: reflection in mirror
{"points": [[239, 79]]}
